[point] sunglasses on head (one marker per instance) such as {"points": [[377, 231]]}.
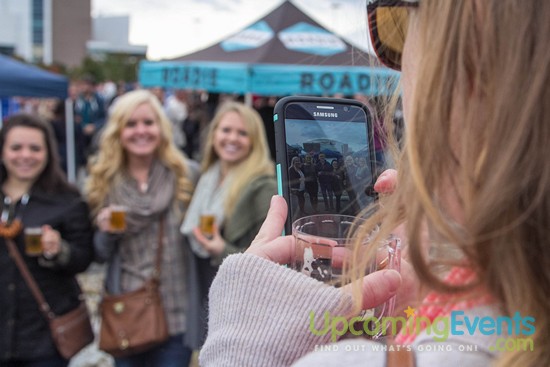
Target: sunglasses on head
{"points": [[388, 23]]}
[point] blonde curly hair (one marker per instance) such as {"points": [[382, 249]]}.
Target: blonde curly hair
{"points": [[106, 167]]}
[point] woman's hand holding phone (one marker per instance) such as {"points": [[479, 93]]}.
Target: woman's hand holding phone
{"points": [[378, 287]]}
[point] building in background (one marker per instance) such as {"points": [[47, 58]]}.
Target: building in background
{"points": [[46, 31], [71, 29], [110, 35], [62, 31]]}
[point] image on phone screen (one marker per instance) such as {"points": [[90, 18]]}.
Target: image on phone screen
{"points": [[329, 167]]}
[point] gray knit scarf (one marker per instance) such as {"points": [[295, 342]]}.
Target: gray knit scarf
{"points": [[208, 198], [145, 206], [136, 252]]}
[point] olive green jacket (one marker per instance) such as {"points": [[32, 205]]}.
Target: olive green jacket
{"points": [[248, 216]]}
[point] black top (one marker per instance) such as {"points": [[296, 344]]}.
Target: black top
{"points": [[24, 332]]}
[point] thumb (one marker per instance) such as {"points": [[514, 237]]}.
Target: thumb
{"points": [[274, 222], [268, 242], [379, 287]]}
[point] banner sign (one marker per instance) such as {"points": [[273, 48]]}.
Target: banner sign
{"points": [[322, 80], [276, 80], [213, 77]]}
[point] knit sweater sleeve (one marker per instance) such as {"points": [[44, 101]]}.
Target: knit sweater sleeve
{"points": [[259, 314]]}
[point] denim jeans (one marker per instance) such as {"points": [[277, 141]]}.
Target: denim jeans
{"points": [[50, 362], [171, 353]]}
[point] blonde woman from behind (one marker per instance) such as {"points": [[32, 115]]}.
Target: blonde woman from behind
{"points": [[474, 172]]}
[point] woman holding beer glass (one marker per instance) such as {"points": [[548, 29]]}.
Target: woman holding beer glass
{"points": [[138, 177], [49, 223], [474, 173], [233, 194]]}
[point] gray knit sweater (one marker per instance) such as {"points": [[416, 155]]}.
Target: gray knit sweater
{"points": [[260, 316]]}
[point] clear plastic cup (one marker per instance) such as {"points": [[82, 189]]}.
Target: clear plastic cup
{"points": [[324, 247]]}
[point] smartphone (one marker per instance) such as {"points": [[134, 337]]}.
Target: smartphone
{"points": [[325, 156]]}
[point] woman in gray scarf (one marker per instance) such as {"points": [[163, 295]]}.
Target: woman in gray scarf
{"points": [[140, 168]]}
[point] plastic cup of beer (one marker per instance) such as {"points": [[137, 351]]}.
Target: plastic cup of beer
{"points": [[118, 218], [33, 241], [207, 224], [324, 249]]}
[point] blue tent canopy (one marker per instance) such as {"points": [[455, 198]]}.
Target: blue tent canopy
{"points": [[18, 79], [22, 80]]}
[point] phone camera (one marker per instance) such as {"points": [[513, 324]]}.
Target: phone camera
{"points": [[346, 109]]}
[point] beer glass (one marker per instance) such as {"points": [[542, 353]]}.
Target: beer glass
{"points": [[323, 250], [33, 241], [118, 218], [207, 225]]}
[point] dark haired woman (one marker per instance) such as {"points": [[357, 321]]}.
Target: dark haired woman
{"points": [[34, 193]]}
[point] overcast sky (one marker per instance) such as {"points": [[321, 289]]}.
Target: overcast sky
{"points": [[173, 28]]}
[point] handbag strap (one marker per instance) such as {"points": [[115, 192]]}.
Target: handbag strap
{"points": [[158, 260], [37, 294], [399, 356], [31, 283]]}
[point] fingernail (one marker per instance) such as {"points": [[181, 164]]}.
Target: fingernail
{"points": [[381, 179], [394, 278], [383, 185], [380, 183], [383, 174]]}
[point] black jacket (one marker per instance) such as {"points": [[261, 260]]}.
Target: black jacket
{"points": [[294, 178], [24, 333]]}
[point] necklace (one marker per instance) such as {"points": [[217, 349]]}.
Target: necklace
{"points": [[11, 228], [143, 186]]}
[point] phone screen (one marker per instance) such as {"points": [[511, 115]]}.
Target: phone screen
{"points": [[328, 158]]}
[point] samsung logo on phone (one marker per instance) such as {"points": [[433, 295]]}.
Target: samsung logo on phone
{"points": [[325, 114]]}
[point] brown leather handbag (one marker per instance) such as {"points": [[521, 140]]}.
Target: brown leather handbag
{"points": [[134, 322], [399, 357], [71, 331]]}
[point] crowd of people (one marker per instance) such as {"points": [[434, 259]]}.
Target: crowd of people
{"points": [[139, 164], [341, 182], [470, 199]]}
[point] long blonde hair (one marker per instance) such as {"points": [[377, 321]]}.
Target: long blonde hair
{"points": [[258, 163], [107, 166], [477, 137]]}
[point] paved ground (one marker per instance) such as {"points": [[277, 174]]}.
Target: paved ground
{"points": [[92, 283]]}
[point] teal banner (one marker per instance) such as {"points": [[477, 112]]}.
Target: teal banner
{"points": [[276, 80], [213, 77], [322, 80]]}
